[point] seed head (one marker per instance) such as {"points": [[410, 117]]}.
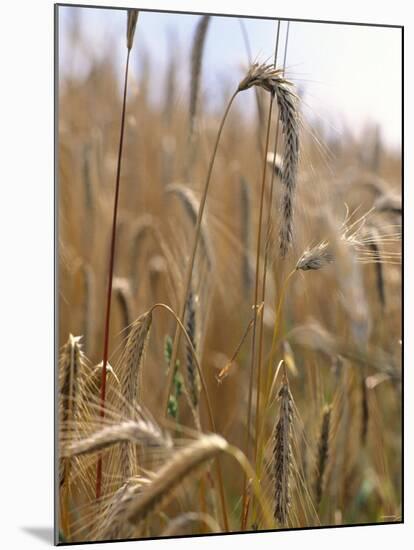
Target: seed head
{"points": [[131, 25], [315, 258], [264, 76]]}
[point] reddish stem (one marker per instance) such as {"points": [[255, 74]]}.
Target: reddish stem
{"points": [[110, 277]]}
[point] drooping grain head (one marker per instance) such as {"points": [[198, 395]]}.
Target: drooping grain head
{"points": [[315, 258], [138, 432], [262, 75], [136, 504], [273, 81]]}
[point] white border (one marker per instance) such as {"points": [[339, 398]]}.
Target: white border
{"points": [[26, 295]]}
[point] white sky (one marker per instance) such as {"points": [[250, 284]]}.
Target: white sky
{"points": [[350, 75]]}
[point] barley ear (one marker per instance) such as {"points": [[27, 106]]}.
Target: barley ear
{"points": [[70, 367], [131, 26], [192, 372], [137, 502], [131, 371], [196, 62], [282, 454], [323, 452]]}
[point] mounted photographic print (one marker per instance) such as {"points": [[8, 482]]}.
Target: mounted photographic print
{"points": [[228, 274]]}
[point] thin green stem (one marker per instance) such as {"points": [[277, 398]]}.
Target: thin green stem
{"points": [[263, 291], [190, 266], [256, 295]]}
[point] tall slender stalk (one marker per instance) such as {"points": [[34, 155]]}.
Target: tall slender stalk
{"points": [[263, 291], [256, 296], [131, 24], [190, 266], [266, 258]]}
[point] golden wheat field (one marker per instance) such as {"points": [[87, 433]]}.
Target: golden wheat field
{"points": [[229, 312]]}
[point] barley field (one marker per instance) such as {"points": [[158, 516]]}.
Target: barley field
{"points": [[229, 312]]}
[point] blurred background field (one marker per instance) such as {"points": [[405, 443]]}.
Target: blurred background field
{"points": [[341, 333]]}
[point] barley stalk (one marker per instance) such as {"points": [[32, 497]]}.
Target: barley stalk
{"points": [[131, 24]]}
